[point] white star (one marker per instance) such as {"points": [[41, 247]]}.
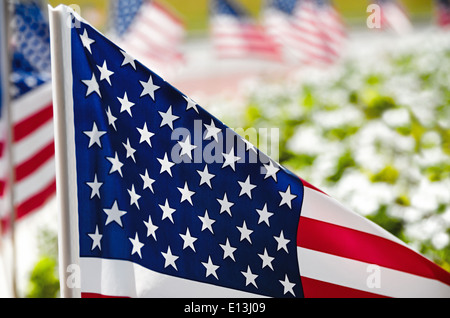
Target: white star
{"points": [[288, 286], [266, 259], [114, 214], [94, 136], [95, 187], [136, 245], [86, 41], [230, 159], [125, 104], [148, 182], [149, 88], [225, 205], [168, 118], [96, 237], [151, 228], [264, 215], [228, 250], [287, 197], [116, 164], [169, 259], [271, 171], [166, 165], [130, 150], [211, 268], [282, 242], [111, 118], [207, 222], [186, 194], [186, 147], [249, 145], [128, 59], [212, 131], [167, 211], [105, 74], [188, 240], [145, 135], [245, 232], [190, 104], [205, 176], [250, 277], [92, 86], [246, 187], [134, 197]]}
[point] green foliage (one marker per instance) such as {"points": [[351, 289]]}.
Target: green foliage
{"points": [[44, 281], [376, 129]]}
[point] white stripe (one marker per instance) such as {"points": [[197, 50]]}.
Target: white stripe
{"points": [[33, 143], [32, 102], [319, 206], [126, 279], [161, 17], [361, 276], [34, 183]]}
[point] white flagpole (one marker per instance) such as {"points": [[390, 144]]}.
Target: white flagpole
{"points": [[60, 29]]}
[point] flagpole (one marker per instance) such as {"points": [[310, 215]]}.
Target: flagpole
{"points": [[10, 143], [61, 79]]}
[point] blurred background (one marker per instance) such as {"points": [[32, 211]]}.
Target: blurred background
{"points": [[363, 110]]}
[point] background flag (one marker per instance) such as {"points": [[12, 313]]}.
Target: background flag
{"points": [[393, 16], [167, 201], [150, 31], [32, 114], [310, 31], [443, 13], [235, 34]]}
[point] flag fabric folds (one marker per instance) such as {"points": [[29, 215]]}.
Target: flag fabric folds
{"points": [[164, 200], [150, 31], [32, 115], [236, 35], [310, 31]]}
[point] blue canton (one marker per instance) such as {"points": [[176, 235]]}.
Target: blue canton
{"points": [[143, 196]]}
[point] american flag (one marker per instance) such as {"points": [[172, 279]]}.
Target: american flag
{"points": [[311, 31], [443, 13], [167, 201], [393, 16], [32, 116], [151, 31], [235, 34]]}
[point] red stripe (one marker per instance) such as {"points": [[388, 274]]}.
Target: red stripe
{"points": [[2, 188], [171, 14], [309, 185], [94, 295], [36, 201], [313, 288], [29, 166], [353, 244], [30, 124]]}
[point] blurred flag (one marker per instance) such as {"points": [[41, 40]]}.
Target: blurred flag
{"points": [[150, 31], [32, 115], [311, 31], [442, 13], [162, 199], [235, 34], [394, 16]]}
